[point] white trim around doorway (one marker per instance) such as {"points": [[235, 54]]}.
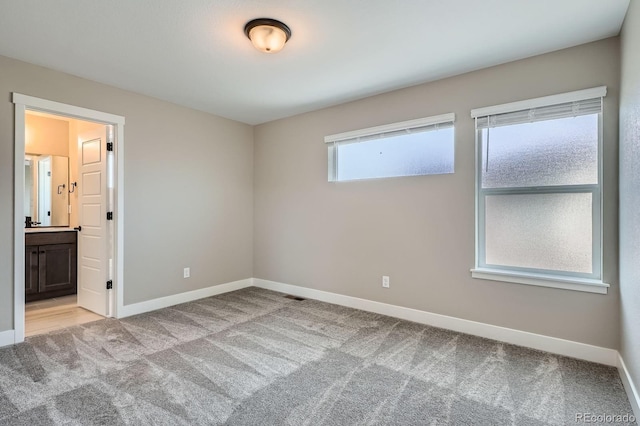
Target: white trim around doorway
{"points": [[23, 103]]}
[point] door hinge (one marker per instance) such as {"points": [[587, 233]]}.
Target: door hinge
{"points": [[109, 285], [109, 146], [109, 215]]}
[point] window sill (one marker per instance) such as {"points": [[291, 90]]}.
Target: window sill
{"points": [[553, 281]]}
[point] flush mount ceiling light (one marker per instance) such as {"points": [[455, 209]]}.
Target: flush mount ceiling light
{"points": [[267, 35]]}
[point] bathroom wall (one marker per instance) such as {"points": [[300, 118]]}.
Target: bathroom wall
{"points": [[46, 136]]}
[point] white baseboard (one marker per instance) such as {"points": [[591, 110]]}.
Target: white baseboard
{"points": [[629, 387], [521, 338], [7, 338], [176, 299]]}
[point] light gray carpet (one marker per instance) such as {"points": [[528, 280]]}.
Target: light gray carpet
{"points": [[253, 357]]}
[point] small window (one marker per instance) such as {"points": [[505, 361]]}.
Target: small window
{"points": [[539, 191], [410, 148]]}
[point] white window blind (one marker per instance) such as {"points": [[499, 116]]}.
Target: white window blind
{"points": [[393, 133], [532, 115], [415, 147], [545, 101], [403, 127]]}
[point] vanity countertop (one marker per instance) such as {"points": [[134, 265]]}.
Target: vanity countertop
{"points": [[35, 229]]}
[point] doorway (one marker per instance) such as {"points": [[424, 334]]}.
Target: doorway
{"points": [[90, 205], [67, 168]]}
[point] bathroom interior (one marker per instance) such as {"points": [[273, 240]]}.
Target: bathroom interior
{"points": [[52, 222]]}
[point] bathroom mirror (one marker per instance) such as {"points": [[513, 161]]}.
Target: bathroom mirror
{"points": [[46, 198]]}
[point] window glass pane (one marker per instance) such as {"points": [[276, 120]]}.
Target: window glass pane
{"points": [[423, 153], [542, 231], [553, 152]]}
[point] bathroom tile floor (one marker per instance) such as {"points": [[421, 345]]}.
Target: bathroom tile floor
{"points": [[47, 315]]}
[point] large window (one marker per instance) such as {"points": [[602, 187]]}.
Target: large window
{"points": [[539, 191], [418, 147]]}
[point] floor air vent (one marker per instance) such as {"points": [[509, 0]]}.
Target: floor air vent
{"points": [[288, 296]]}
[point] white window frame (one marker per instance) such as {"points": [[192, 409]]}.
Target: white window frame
{"points": [[593, 282], [377, 132]]}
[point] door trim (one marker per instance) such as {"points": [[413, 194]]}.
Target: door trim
{"points": [[22, 103]]}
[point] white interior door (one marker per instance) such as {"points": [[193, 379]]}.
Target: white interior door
{"points": [[93, 238]]}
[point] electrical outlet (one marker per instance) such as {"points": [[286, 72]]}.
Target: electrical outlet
{"points": [[385, 281], [187, 272]]}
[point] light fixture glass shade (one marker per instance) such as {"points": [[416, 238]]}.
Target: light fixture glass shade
{"points": [[267, 35], [267, 39]]}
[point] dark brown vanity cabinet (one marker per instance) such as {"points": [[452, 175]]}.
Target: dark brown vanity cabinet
{"points": [[51, 260]]}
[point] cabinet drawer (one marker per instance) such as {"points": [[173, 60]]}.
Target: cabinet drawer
{"points": [[43, 238]]}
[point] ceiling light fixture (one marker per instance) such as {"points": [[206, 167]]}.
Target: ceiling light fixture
{"points": [[267, 35]]}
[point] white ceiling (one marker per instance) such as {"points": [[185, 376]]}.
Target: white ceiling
{"points": [[194, 52]]}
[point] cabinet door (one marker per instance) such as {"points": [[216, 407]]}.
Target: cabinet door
{"points": [[57, 267], [30, 270]]}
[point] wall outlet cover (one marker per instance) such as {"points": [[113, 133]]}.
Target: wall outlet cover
{"points": [[385, 281], [187, 272]]}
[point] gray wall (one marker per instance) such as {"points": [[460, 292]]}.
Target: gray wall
{"points": [[190, 182], [188, 186], [630, 192], [342, 237]]}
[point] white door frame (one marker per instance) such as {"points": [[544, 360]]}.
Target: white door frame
{"points": [[23, 103]]}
